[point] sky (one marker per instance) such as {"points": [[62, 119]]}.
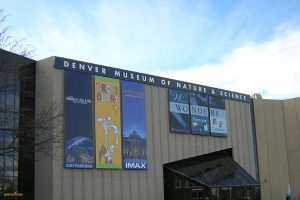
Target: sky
{"points": [[247, 46]]}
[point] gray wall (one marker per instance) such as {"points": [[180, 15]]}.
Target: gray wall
{"points": [[278, 146], [55, 182]]}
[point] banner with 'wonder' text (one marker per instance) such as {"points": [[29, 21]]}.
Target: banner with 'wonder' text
{"points": [[179, 111]]}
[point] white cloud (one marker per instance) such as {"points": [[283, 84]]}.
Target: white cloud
{"points": [[271, 68]]}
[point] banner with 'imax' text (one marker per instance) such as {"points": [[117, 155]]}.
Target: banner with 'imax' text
{"points": [[134, 126]]}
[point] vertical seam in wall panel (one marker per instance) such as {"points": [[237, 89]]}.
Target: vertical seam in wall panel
{"points": [[297, 120], [160, 133], [282, 171], [239, 137], [82, 183], [248, 139], [153, 144], [244, 136], [252, 118], [285, 135], [72, 188], [232, 119], [148, 102], [267, 149]]}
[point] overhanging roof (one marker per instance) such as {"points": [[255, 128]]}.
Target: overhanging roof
{"points": [[216, 169]]}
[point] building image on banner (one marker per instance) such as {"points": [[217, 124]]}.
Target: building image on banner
{"points": [[199, 114], [179, 111], [218, 121], [78, 146], [134, 126], [108, 143]]}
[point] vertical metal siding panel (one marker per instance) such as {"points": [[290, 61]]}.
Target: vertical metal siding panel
{"points": [[296, 164], [262, 149], [250, 139], [186, 146], [107, 185], [44, 165], [283, 172], [205, 145], [245, 136], [143, 185], [199, 145], [217, 143], [230, 123], [193, 145], [150, 149], [116, 184], [179, 145], [211, 142], [233, 131], [272, 156], [291, 124], [158, 174], [156, 139], [292, 117], [134, 185], [279, 125], [97, 184], [238, 134], [87, 182], [77, 184], [125, 191], [58, 98], [281, 148], [290, 120], [241, 134], [163, 116], [66, 185]]}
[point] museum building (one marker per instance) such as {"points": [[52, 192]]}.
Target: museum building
{"points": [[119, 134]]}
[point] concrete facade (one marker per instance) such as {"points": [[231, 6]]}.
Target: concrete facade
{"points": [[53, 181], [278, 146]]}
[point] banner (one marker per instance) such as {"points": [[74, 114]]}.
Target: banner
{"points": [[199, 114], [218, 121], [78, 146], [108, 123], [134, 126], [179, 111]]}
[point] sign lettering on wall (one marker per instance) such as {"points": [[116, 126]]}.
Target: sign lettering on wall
{"points": [[108, 123], [100, 70], [78, 146], [134, 126]]}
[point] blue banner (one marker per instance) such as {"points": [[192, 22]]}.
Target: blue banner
{"points": [[134, 126], [218, 116], [199, 114], [179, 111], [78, 146]]}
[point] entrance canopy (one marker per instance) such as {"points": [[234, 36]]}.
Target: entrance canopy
{"points": [[216, 169]]}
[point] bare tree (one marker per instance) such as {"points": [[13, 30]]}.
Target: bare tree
{"points": [[23, 133]]}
